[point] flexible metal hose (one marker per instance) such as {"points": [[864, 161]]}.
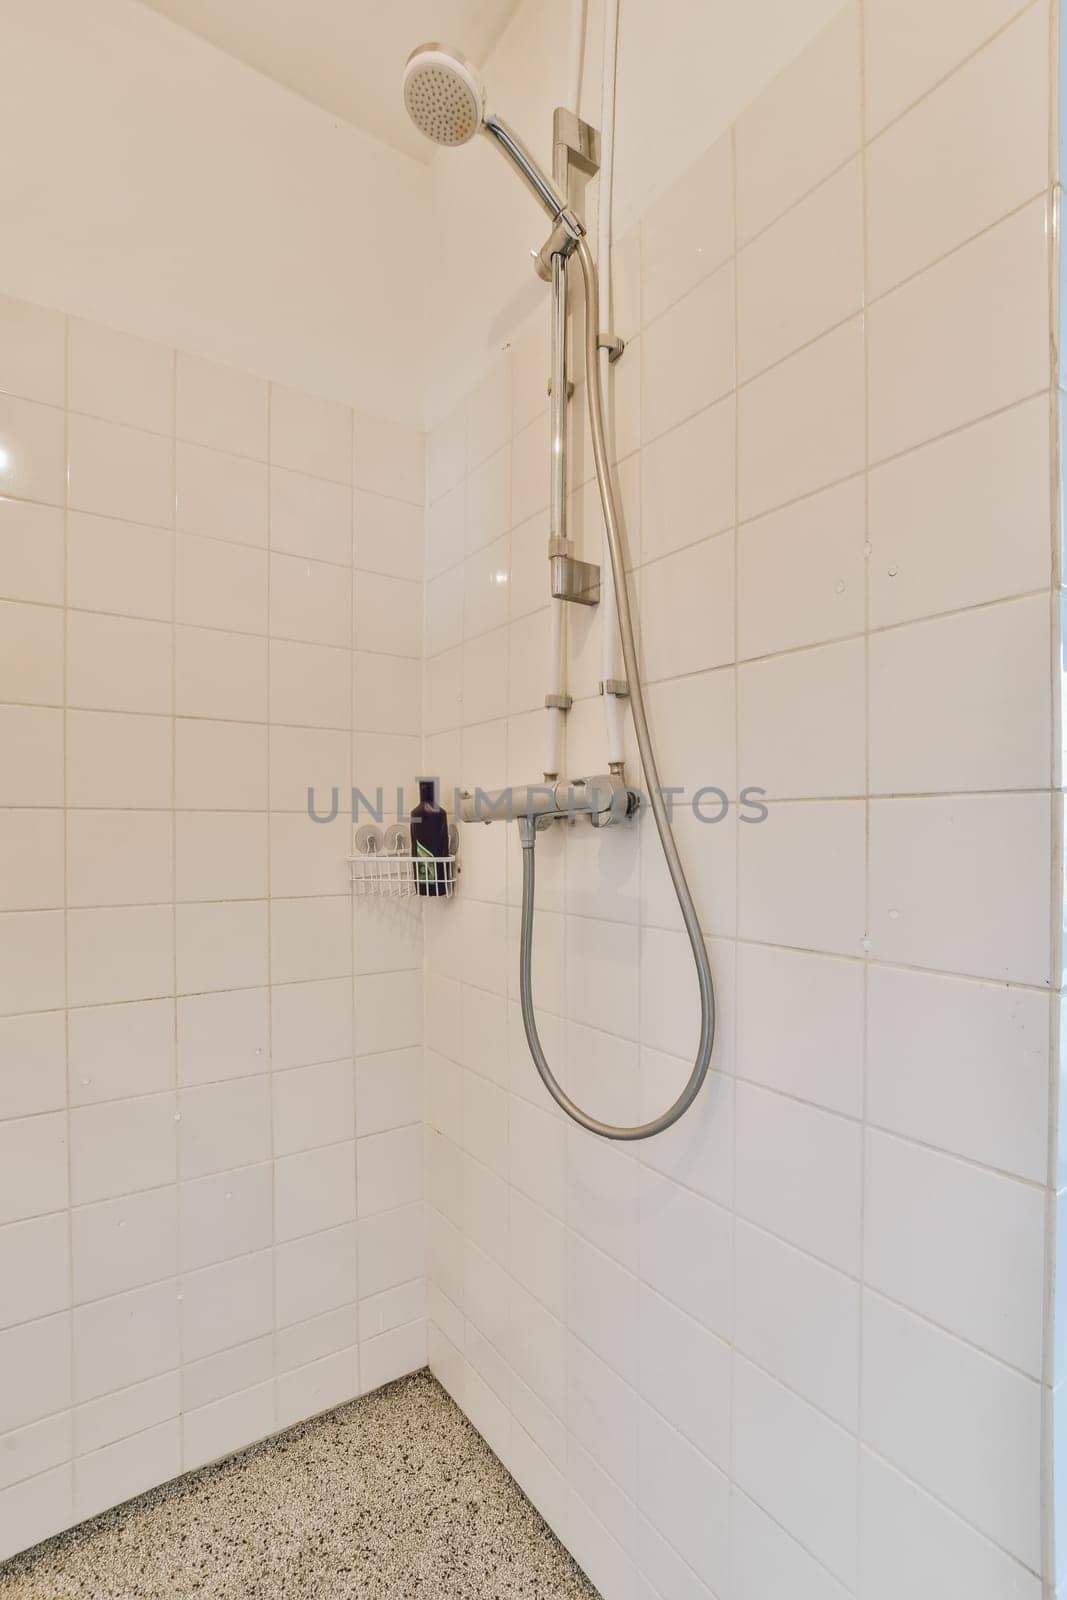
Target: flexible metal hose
{"points": [[528, 831]]}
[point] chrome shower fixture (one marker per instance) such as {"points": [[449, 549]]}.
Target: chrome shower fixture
{"points": [[604, 800], [445, 99]]}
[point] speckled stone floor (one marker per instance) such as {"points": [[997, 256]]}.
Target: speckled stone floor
{"points": [[393, 1496]]}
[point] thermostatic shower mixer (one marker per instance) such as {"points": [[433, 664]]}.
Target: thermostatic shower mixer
{"points": [[604, 799]]}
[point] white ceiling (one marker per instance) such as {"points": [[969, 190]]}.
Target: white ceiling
{"points": [[345, 55]]}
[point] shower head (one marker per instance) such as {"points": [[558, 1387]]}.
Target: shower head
{"points": [[445, 99], [443, 94]]}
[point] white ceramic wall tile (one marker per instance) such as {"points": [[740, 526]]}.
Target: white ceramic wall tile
{"points": [[119, 566], [32, 770], [818, 99], [802, 723], [909, 50], [221, 407], [942, 898], [123, 1146], [122, 1244], [36, 1282], [799, 1466], [31, 552], [489, 414], [940, 515], [222, 1035], [32, 1067], [803, 275], [908, 1540], [687, 483], [956, 1422], [220, 766], [118, 471], [388, 614], [123, 379], [119, 858], [185, 1152], [685, 1498], [962, 1246], [310, 684], [800, 425], [116, 1051], [687, 355], [220, 674], [227, 1304], [963, 339], [763, 1556], [388, 459], [310, 435], [315, 1274], [220, 585], [800, 1174], [226, 1215], [31, 439], [800, 876], [686, 609], [310, 516], [815, 1350], [31, 860], [964, 157], [223, 497], [118, 663], [688, 231], [963, 703], [32, 351], [572, 1302], [31, 656], [961, 1066], [31, 961], [33, 1160], [801, 1025], [684, 1373], [388, 536], [121, 954]]}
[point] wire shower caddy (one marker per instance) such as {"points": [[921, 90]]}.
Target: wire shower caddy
{"points": [[382, 865]]}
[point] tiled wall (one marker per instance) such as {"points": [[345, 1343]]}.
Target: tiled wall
{"points": [[798, 1345], [210, 1070]]}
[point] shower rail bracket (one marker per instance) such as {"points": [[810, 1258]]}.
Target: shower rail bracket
{"points": [[614, 346], [579, 139], [614, 686], [574, 580], [558, 702]]}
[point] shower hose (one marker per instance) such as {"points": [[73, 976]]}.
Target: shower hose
{"points": [[528, 831]]}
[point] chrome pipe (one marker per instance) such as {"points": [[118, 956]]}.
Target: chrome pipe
{"points": [[528, 831], [541, 185], [605, 799], [557, 497]]}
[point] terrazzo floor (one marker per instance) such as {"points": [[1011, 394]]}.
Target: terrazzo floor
{"points": [[392, 1496]]}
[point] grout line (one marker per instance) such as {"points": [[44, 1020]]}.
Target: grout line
{"points": [[1050, 1533], [737, 883], [273, 1334], [177, 1274], [68, 1310], [927, 93], [868, 850]]}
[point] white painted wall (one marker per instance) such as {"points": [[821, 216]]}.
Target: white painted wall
{"points": [[155, 184]]}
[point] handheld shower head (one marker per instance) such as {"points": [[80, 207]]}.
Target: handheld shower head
{"points": [[444, 95], [445, 99]]}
